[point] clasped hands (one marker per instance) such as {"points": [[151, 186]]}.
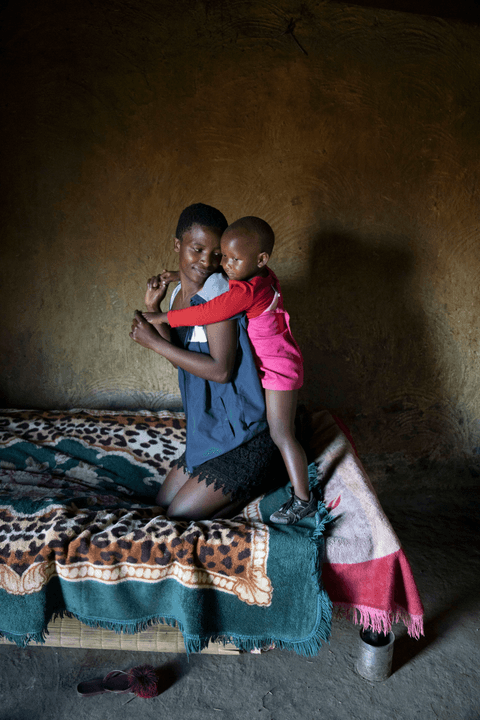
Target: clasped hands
{"points": [[143, 332]]}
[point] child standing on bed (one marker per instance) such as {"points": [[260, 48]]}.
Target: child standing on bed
{"points": [[253, 288]]}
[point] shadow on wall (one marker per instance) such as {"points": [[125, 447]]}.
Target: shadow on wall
{"points": [[366, 346]]}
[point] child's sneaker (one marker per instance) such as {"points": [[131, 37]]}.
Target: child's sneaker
{"points": [[294, 510]]}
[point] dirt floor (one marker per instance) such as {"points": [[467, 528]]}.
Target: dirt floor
{"points": [[437, 519]]}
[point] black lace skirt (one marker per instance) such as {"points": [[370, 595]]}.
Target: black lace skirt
{"points": [[246, 471]]}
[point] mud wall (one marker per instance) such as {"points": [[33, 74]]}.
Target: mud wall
{"points": [[354, 132]]}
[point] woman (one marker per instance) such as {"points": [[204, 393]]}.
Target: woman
{"points": [[229, 452]]}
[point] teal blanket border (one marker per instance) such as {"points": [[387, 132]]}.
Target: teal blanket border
{"points": [[308, 645]]}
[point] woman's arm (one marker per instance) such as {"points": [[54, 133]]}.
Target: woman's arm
{"points": [[217, 366], [157, 289], [155, 294]]}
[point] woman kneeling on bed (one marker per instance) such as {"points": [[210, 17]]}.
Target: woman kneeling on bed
{"points": [[229, 454]]}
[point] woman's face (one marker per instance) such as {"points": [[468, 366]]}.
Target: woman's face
{"points": [[199, 253]]}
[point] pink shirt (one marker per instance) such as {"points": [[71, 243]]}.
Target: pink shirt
{"points": [[277, 356]]}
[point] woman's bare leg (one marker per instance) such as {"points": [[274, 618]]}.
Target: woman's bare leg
{"points": [[176, 479], [199, 501], [233, 508], [281, 408]]}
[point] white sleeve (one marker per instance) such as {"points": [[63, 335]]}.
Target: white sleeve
{"points": [[215, 285], [174, 294]]}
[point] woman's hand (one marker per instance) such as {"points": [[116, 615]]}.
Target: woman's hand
{"points": [[145, 334], [157, 288]]}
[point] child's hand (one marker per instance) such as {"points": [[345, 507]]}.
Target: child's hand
{"points": [[154, 317], [168, 276]]}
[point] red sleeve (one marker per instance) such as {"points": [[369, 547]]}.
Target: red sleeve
{"points": [[239, 298], [263, 294]]}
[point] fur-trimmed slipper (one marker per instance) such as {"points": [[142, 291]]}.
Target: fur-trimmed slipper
{"points": [[141, 680], [117, 681]]}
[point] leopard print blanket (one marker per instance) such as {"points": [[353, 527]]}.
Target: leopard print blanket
{"points": [[85, 522]]}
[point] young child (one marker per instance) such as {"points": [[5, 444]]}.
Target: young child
{"points": [[253, 288]]}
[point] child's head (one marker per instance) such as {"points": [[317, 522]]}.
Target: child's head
{"points": [[246, 248]]}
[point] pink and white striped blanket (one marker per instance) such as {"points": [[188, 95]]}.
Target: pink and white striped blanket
{"points": [[365, 572]]}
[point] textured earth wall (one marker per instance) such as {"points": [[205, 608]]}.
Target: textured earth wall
{"points": [[354, 132]]}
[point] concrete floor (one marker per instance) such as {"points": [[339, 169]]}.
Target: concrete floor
{"points": [[434, 510]]}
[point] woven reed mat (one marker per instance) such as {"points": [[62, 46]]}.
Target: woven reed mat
{"points": [[71, 633]]}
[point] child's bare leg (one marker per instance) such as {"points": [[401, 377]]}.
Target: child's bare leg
{"points": [[281, 408]]}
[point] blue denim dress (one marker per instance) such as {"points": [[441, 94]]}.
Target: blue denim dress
{"points": [[220, 416]]}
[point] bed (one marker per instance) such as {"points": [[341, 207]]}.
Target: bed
{"points": [[88, 560]]}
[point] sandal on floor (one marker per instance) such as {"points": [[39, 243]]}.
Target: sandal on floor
{"points": [[141, 681], [117, 681]]}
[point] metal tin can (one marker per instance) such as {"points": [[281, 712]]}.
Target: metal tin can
{"points": [[375, 655]]}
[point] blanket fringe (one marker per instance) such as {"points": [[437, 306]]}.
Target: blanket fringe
{"points": [[24, 640], [379, 620], [128, 628], [308, 647], [322, 519], [313, 479]]}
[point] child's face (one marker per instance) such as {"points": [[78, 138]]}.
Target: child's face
{"points": [[199, 253], [241, 259]]}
